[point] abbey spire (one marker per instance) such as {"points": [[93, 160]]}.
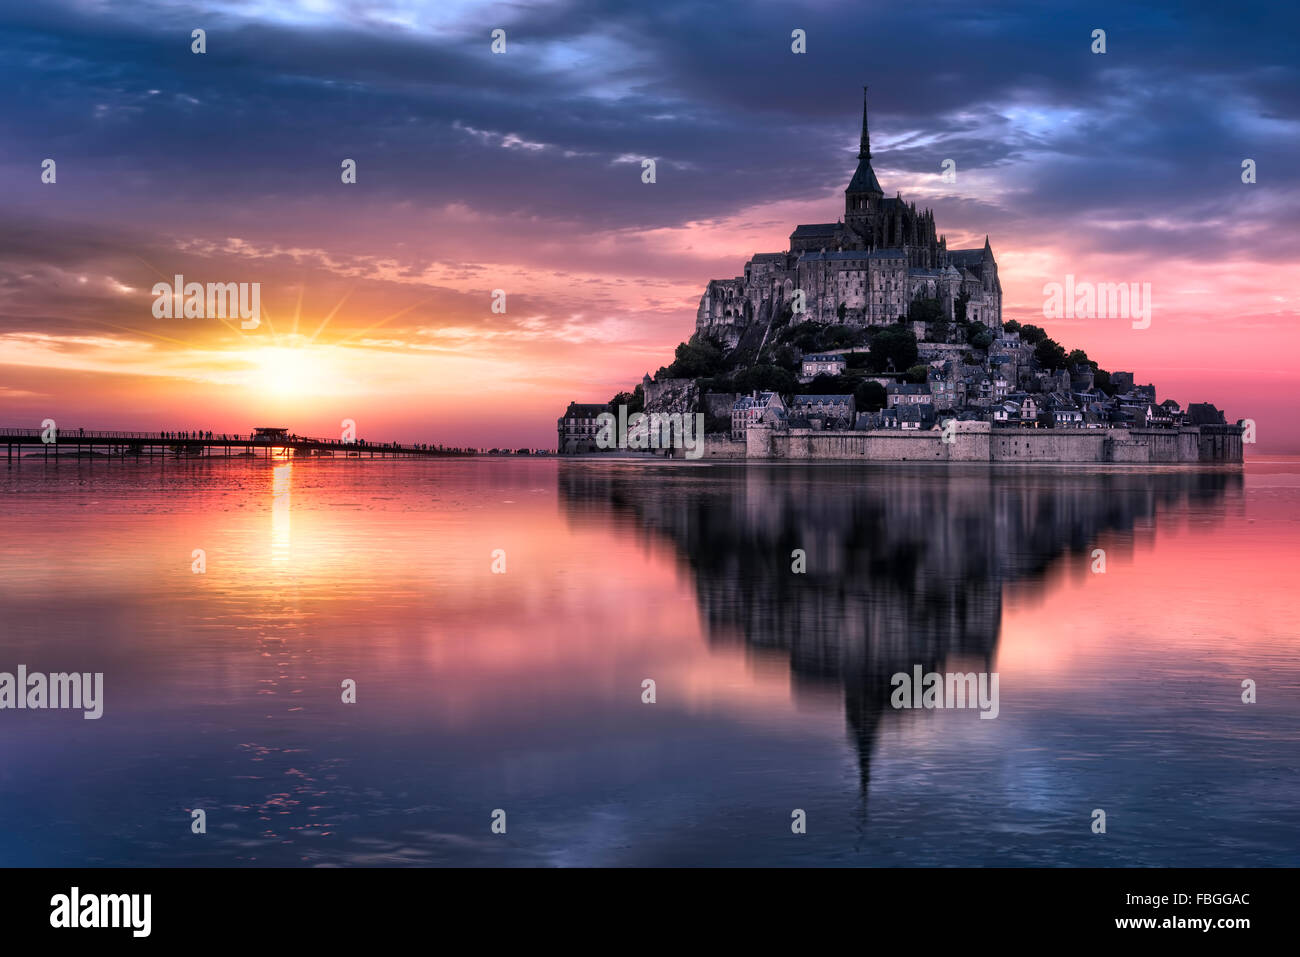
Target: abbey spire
{"points": [[864, 193], [864, 151]]}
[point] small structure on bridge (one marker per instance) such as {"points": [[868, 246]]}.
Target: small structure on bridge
{"points": [[268, 434]]}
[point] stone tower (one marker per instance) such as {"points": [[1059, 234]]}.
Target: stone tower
{"points": [[863, 194]]}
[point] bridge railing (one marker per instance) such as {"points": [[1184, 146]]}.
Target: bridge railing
{"points": [[170, 436], [64, 435]]}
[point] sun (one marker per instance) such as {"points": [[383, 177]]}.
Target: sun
{"points": [[288, 373]]}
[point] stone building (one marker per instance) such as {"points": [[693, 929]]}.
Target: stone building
{"points": [[749, 409], [864, 269], [825, 364], [823, 411], [577, 428]]}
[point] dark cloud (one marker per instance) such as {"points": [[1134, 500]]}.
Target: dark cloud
{"points": [[144, 131]]}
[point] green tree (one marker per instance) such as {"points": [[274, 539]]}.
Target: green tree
{"points": [[1032, 335], [634, 400], [959, 306], [838, 337], [804, 336], [827, 384], [869, 396], [924, 310], [787, 357], [857, 360], [765, 378], [700, 356], [1050, 354], [981, 339], [1078, 357], [896, 344], [1010, 327]]}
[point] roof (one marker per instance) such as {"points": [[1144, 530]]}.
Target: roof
{"points": [[864, 179], [825, 357], [821, 400], [965, 257], [1204, 413], [749, 402], [814, 229], [585, 410]]}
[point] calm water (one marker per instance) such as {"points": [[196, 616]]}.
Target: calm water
{"points": [[522, 691]]}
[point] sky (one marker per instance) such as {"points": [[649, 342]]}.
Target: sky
{"points": [[521, 171]]}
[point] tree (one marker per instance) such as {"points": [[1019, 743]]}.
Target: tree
{"points": [[895, 344], [634, 400], [765, 378], [1010, 327], [982, 339], [1032, 335], [804, 336], [786, 357], [1078, 357], [700, 356], [959, 306], [1050, 354], [918, 374], [938, 330], [827, 384], [837, 337], [924, 310], [869, 396], [857, 360]]}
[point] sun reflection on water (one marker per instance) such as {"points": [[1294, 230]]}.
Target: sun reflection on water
{"points": [[281, 485]]}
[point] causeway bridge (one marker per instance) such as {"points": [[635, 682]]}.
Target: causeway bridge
{"points": [[52, 443]]}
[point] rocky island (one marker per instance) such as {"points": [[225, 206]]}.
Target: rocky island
{"points": [[869, 339]]}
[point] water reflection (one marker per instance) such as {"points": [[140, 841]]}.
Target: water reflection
{"points": [[904, 567], [281, 487], [523, 690]]}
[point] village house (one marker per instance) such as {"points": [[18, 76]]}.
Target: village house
{"points": [[823, 411], [823, 364], [908, 418], [750, 408], [906, 393]]}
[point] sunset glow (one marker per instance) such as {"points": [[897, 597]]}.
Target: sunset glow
{"points": [[377, 297]]}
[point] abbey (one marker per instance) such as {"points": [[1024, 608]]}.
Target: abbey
{"points": [[864, 269]]}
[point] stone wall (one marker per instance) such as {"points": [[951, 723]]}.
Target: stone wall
{"points": [[979, 442], [717, 407], [722, 447]]}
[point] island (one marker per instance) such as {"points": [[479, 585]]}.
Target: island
{"points": [[869, 339]]}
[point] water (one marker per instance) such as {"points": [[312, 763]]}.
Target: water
{"points": [[522, 691]]}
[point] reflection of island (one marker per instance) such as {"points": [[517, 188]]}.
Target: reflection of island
{"points": [[905, 566]]}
